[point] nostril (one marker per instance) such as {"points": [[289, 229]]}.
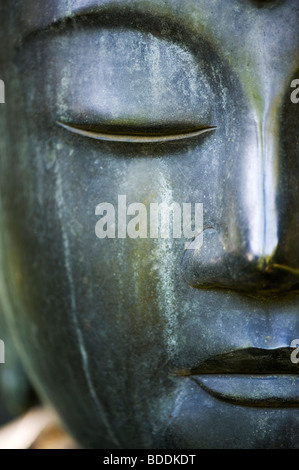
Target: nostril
{"points": [[203, 267], [266, 3], [213, 249], [214, 266]]}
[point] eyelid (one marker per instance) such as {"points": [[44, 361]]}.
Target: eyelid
{"points": [[144, 136]]}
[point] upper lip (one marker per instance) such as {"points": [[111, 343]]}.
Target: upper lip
{"points": [[249, 361]]}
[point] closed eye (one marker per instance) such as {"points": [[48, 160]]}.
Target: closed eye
{"points": [[137, 134]]}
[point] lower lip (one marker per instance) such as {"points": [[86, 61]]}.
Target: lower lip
{"points": [[259, 390]]}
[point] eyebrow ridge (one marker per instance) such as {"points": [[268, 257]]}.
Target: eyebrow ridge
{"points": [[161, 23], [101, 14]]}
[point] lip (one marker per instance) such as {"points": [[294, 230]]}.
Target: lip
{"points": [[250, 377]]}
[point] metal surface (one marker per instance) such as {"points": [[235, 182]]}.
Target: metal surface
{"points": [[103, 325]]}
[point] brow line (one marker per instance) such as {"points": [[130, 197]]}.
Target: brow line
{"points": [[109, 15], [97, 13], [48, 15]]}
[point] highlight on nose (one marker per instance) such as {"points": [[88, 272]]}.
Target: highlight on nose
{"points": [[215, 266]]}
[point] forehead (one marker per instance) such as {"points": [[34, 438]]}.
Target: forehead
{"points": [[258, 40], [250, 34]]}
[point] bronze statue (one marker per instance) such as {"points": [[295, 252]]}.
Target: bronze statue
{"points": [[154, 342]]}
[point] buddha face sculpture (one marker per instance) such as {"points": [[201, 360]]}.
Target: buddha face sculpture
{"points": [[153, 342]]}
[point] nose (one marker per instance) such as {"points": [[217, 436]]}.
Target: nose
{"points": [[255, 247]]}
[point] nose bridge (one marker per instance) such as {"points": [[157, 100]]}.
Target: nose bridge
{"points": [[250, 252], [270, 156], [251, 245], [260, 186]]}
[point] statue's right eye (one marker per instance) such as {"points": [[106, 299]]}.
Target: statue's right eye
{"points": [[135, 134], [129, 86]]}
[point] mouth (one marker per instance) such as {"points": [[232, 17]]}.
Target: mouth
{"points": [[250, 377]]}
